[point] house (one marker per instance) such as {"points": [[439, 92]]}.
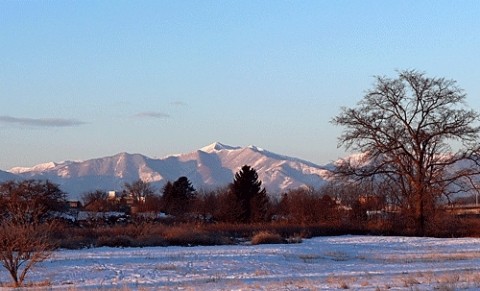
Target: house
{"points": [[75, 204]]}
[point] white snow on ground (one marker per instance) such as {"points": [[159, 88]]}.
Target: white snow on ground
{"points": [[323, 263]]}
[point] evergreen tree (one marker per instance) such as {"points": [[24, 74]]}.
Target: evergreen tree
{"points": [[177, 196], [167, 196], [249, 196]]}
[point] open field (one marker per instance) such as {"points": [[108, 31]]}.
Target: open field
{"points": [[322, 263]]}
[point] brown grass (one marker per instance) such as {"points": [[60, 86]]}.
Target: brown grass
{"points": [[158, 234], [188, 237], [267, 237], [164, 234]]}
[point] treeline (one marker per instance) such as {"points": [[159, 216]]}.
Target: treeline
{"points": [[36, 217], [244, 201], [340, 207]]}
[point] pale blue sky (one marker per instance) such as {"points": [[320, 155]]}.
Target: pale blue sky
{"points": [[86, 79]]}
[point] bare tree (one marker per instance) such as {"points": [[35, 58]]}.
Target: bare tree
{"points": [[30, 200], [205, 204], [417, 138], [138, 191], [22, 246], [97, 201], [306, 206], [25, 224]]}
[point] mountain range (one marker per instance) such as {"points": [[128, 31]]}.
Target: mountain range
{"points": [[209, 167]]}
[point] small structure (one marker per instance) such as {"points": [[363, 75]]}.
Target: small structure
{"points": [[113, 196], [74, 204]]}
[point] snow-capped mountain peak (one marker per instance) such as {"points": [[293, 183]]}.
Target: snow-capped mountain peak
{"points": [[37, 168], [217, 146], [212, 166], [255, 148]]}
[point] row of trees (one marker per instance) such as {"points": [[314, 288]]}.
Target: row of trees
{"points": [[243, 201]]}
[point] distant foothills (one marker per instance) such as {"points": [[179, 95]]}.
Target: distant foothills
{"points": [[210, 167]]}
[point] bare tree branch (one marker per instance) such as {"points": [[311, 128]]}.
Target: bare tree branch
{"points": [[408, 130]]}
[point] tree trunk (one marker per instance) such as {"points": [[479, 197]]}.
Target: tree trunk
{"points": [[13, 274], [420, 215]]}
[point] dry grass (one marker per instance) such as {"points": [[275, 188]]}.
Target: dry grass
{"points": [[466, 279], [189, 237], [337, 256], [166, 267], [142, 235], [410, 281], [267, 237], [309, 258], [448, 282], [41, 285], [168, 233], [429, 257], [340, 282], [439, 281]]}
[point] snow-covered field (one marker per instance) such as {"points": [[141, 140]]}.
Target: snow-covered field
{"points": [[323, 263]]}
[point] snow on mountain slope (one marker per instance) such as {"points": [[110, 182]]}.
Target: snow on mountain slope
{"points": [[276, 172], [211, 166], [38, 168], [217, 146]]}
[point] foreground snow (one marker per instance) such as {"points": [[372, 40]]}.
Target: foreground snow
{"points": [[354, 262]]}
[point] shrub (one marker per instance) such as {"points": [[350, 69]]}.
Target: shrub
{"points": [[151, 240], [186, 236], [77, 242], [115, 241], [266, 237]]}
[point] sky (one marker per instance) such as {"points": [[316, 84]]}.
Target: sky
{"points": [[88, 79]]}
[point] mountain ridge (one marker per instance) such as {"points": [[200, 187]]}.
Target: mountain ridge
{"points": [[211, 166]]}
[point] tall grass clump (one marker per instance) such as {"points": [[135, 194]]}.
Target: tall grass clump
{"points": [[267, 237]]}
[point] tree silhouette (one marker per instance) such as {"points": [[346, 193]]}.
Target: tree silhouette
{"points": [[250, 199], [405, 129], [177, 196], [25, 226], [138, 191], [97, 201], [30, 201]]}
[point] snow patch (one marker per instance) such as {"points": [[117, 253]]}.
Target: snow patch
{"points": [[255, 148], [37, 168], [217, 146]]}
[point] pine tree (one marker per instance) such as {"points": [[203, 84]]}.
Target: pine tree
{"points": [[177, 196], [250, 197]]}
